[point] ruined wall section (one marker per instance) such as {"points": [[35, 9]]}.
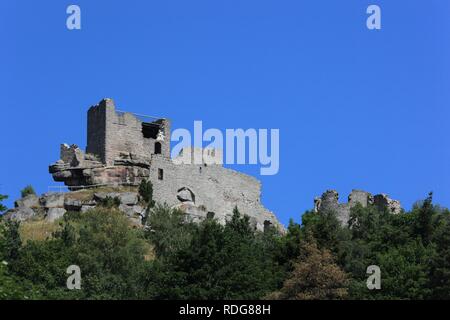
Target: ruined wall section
{"points": [[164, 136], [96, 129], [215, 190], [124, 136], [191, 155]]}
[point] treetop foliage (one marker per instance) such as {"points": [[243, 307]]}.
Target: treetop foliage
{"points": [[28, 190], [173, 258]]}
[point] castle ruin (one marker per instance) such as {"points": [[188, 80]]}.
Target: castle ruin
{"points": [[329, 201], [122, 149]]}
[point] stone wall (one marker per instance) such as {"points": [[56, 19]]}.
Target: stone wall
{"points": [[329, 201], [96, 129], [197, 155], [216, 190], [112, 133], [53, 205]]}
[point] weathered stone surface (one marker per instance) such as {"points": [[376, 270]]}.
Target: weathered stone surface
{"points": [[29, 201], [128, 210], [185, 194], [85, 208], [131, 211], [20, 214], [193, 213], [382, 201], [72, 204], [139, 210], [362, 197], [130, 159], [52, 200], [317, 204], [54, 213], [329, 201]]}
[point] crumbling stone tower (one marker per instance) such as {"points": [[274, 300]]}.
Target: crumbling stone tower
{"points": [[329, 201], [112, 134], [120, 148]]}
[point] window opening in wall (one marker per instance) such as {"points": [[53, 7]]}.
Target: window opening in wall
{"points": [[267, 225], [150, 129], [157, 147], [160, 174]]}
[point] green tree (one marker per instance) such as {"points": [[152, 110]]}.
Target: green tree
{"points": [[14, 288], [28, 190], [440, 264], [12, 240], [167, 230], [424, 226], [2, 207], [327, 231], [101, 242], [289, 245], [219, 262], [404, 272], [109, 202], [146, 192]]}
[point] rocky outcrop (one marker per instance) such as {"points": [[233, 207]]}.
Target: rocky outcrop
{"points": [[52, 200], [20, 214], [25, 208], [329, 201], [28, 201], [129, 169], [53, 205], [126, 198], [53, 214]]}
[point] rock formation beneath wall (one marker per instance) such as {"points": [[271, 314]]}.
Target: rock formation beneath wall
{"points": [[77, 169], [53, 205]]}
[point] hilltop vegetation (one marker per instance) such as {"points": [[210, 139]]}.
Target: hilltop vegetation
{"points": [[171, 259]]}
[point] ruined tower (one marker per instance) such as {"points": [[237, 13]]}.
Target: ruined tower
{"points": [[329, 201], [112, 133]]}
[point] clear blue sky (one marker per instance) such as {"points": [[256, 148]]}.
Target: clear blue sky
{"points": [[355, 108]]}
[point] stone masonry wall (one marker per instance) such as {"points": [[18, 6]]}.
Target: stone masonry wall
{"points": [[96, 130], [216, 190], [112, 133], [124, 135], [329, 201]]}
